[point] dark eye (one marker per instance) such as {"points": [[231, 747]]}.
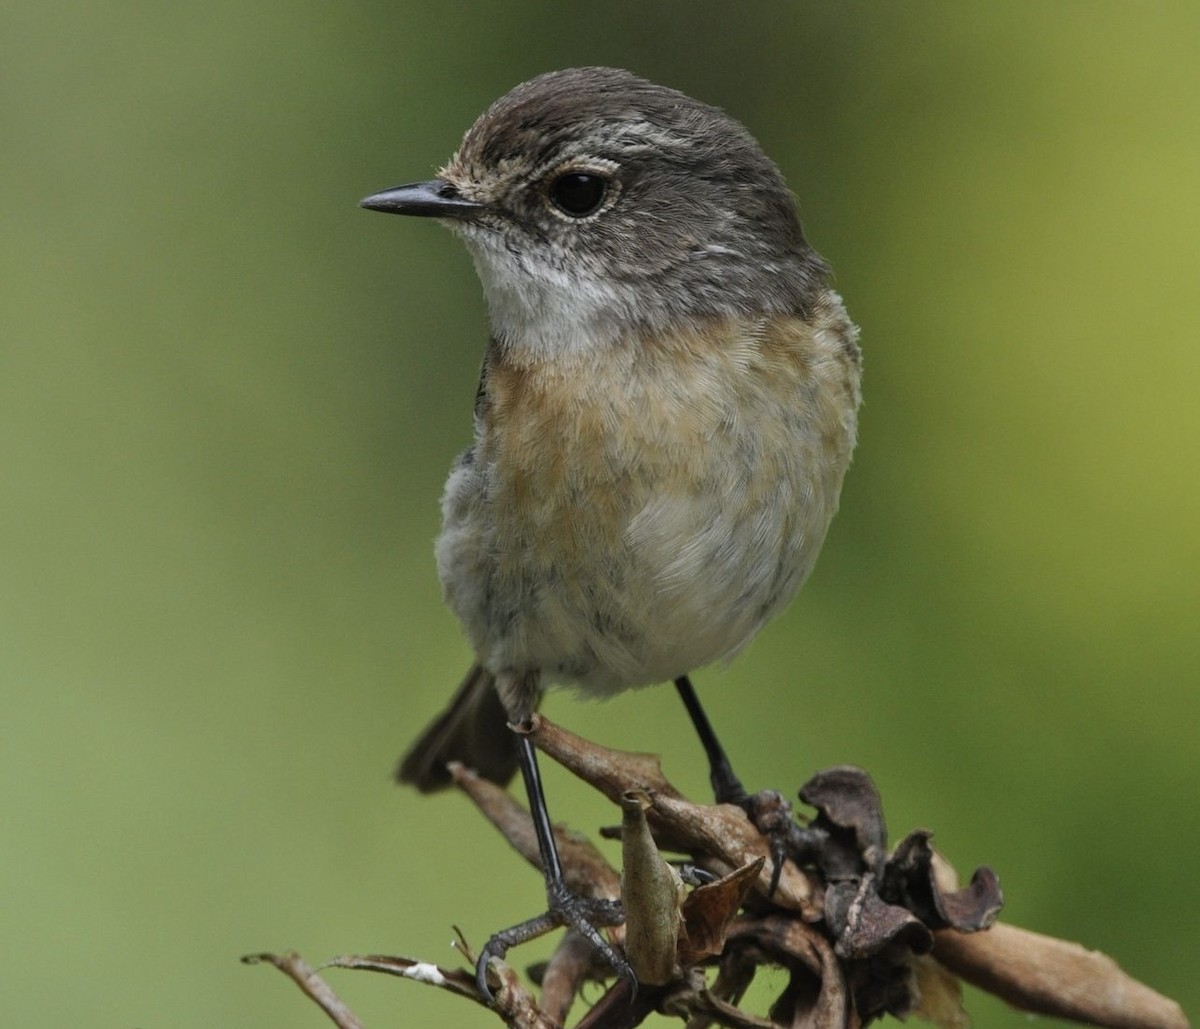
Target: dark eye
{"points": [[578, 193]]}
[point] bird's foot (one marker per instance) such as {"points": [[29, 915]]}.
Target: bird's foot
{"points": [[583, 914], [770, 814], [767, 810]]}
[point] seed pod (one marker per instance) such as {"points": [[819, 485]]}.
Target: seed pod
{"points": [[651, 892]]}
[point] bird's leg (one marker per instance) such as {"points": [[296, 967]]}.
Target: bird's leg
{"points": [[727, 787], [583, 914], [770, 813]]}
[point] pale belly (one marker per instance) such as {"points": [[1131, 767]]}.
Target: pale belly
{"points": [[676, 584], [627, 535]]}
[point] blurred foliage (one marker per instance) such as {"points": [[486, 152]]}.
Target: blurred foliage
{"points": [[228, 399]]}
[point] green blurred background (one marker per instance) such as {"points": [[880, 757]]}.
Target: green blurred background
{"points": [[228, 399]]}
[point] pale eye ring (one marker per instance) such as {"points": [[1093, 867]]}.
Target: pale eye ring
{"points": [[578, 194]]}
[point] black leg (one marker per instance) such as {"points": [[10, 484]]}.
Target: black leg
{"points": [[727, 787], [547, 848], [770, 813], [582, 914]]}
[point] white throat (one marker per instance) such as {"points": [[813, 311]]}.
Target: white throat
{"points": [[535, 306]]}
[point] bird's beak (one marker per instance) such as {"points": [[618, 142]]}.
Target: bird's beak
{"points": [[436, 198]]}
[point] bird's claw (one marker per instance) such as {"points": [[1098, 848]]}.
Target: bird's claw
{"points": [[583, 914], [772, 816]]}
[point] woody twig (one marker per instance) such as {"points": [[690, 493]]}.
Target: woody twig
{"points": [[862, 931]]}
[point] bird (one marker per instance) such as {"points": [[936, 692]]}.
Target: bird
{"points": [[666, 410]]}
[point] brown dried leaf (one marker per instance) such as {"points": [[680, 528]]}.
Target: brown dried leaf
{"points": [[849, 805], [709, 910], [938, 994], [651, 893], [863, 924], [821, 1003], [916, 879]]}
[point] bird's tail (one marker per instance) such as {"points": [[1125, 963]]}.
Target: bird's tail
{"points": [[473, 729]]}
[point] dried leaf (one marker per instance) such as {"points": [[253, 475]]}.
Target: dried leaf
{"points": [[818, 995], [849, 803], [937, 996], [709, 910], [651, 893], [863, 924], [912, 878]]}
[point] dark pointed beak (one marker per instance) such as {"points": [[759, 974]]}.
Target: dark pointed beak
{"points": [[433, 199]]}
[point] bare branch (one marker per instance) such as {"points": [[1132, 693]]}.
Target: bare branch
{"points": [[719, 836], [301, 973], [573, 963], [584, 867], [851, 922], [1046, 976]]}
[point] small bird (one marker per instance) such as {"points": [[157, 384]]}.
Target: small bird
{"points": [[666, 410]]}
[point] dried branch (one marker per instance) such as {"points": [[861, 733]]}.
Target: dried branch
{"points": [[1046, 976], [585, 869], [573, 963], [862, 932], [719, 837], [301, 973]]}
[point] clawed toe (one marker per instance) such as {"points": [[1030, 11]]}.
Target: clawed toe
{"points": [[772, 816], [498, 946], [583, 914]]}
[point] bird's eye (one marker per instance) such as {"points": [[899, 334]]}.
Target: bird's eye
{"points": [[578, 194]]}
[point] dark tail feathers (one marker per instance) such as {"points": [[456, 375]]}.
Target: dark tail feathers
{"points": [[473, 729]]}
